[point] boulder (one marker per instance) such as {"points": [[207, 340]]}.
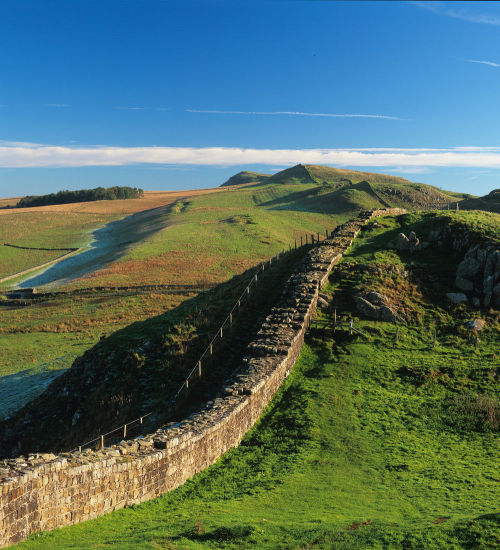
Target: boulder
{"points": [[468, 268], [402, 242], [375, 306], [463, 284], [456, 297]]}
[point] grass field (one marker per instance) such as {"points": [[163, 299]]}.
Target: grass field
{"points": [[353, 453], [40, 341], [176, 237], [209, 238], [66, 226], [369, 444], [13, 260]]}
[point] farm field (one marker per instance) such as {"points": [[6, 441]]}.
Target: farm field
{"points": [[212, 237], [370, 443], [66, 226]]}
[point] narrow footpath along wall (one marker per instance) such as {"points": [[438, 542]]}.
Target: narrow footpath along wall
{"points": [[46, 491]]}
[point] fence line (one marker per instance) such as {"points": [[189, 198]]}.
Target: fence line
{"points": [[209, 349]]}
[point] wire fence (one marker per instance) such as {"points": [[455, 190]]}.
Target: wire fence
{"points": [[197, 370]]}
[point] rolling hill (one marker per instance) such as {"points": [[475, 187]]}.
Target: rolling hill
{"points": [[246, 177], [334, 190]]}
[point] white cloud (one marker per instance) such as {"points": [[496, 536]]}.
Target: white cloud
{"points": [[490, 63], [465, 14], [133, 108], [409, 169], [56, 105], [293, 113], [26, 155]]}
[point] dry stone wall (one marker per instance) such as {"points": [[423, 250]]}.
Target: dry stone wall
{"points": [[42, 492]]}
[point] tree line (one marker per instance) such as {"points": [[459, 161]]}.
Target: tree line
{"points": [[82, 195]]}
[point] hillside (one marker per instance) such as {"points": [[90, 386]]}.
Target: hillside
{"points": [[489, 203], [386, 438], [246, 177], [310, 173], [336, 190]]}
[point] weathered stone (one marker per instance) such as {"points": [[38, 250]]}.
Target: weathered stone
{"points": [[456, 297], [467, 268], [463, 284], [402, 242]]}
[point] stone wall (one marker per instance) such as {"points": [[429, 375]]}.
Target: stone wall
{"points": [[42, 492]]}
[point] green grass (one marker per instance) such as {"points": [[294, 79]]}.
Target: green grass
{"points": [[68, 324], [211, 237], [49, 229], [347, 456], [369, 444], [13, 260]]}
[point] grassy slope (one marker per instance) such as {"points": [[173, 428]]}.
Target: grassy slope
{"points": [[359, 449], [206, 238], [245, 177], [212, 237]]}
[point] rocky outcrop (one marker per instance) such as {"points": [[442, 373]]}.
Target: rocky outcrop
{"points": [[375, 306], [478, 274], [410, 243]]}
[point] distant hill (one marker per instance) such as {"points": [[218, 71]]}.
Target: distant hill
{"points": [[246, 177], [311, 173], [490, 202], [336, 190]]}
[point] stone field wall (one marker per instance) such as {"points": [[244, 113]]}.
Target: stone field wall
{"points": [[42, 492]]}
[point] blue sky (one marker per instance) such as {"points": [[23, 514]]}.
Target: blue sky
{"points": [[175, 95]]}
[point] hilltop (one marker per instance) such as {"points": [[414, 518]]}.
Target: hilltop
{"points": [[312, 173], [335, 190], [246, 177]]}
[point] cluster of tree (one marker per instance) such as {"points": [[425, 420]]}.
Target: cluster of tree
{"points": [[82, 195]]}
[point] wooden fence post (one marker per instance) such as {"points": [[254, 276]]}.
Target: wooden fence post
{"points": [[199, 368], [102, 442], [350, 327], [124, 431]]}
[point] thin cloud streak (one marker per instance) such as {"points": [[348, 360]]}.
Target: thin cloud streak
{"points": [[490, 63], [23, 155], [441, 8], [293, 113]]}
